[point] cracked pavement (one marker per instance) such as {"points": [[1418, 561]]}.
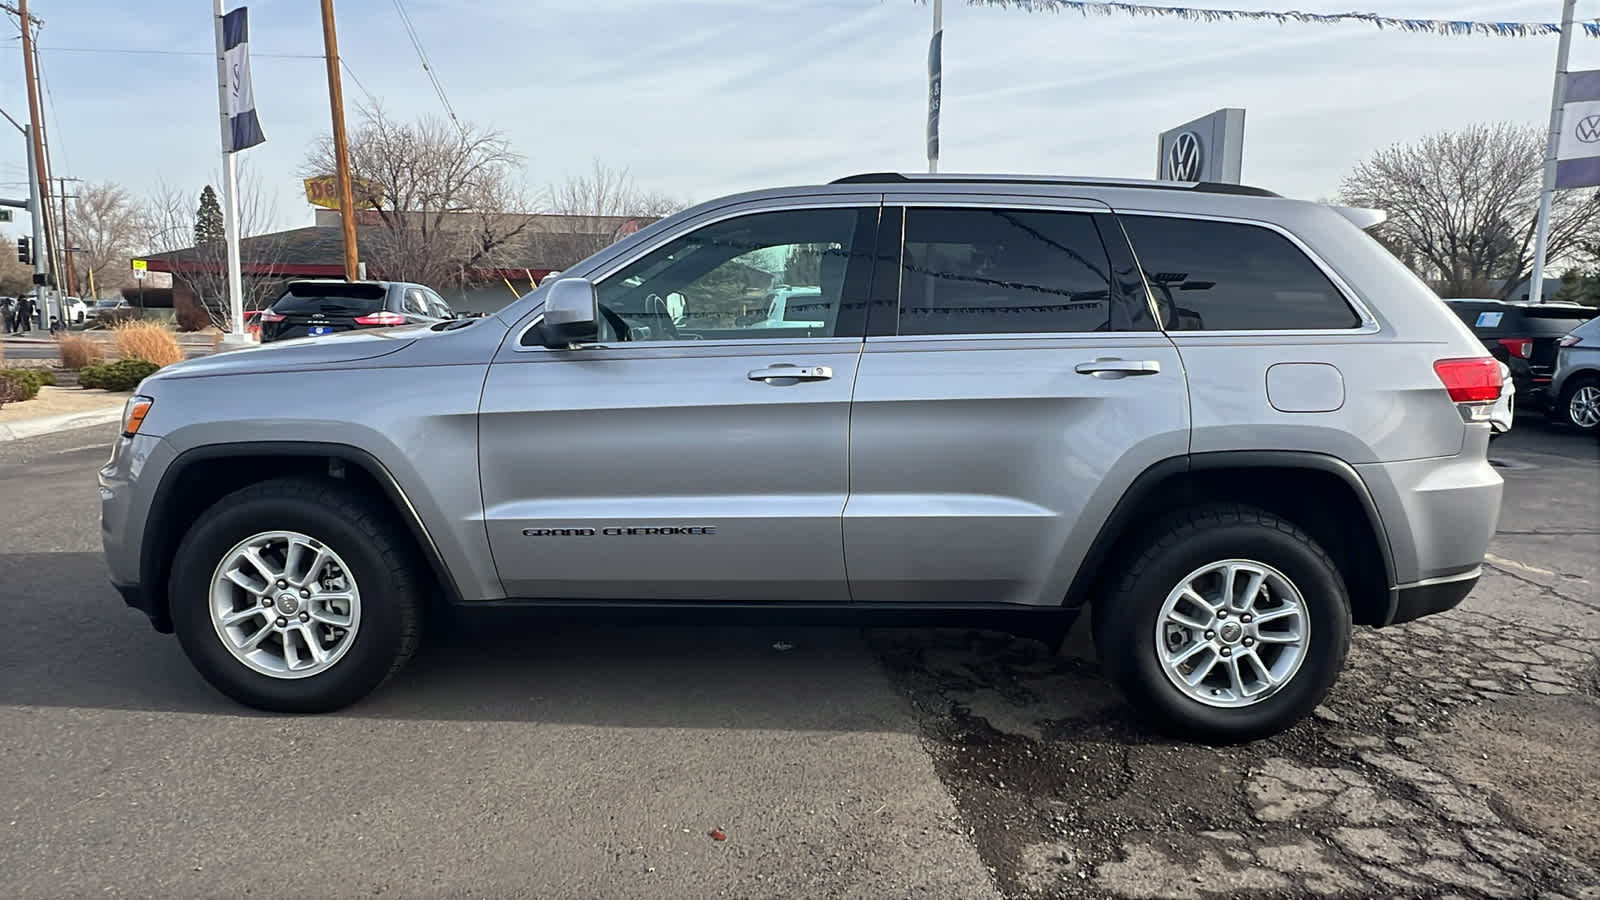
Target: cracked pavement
{"points": [[1456, 757]]}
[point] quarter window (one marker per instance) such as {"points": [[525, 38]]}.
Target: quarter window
{"points": [[765, 275], [1227, 276], [1001, 271]]}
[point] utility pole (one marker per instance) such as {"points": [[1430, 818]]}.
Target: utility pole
{"points": [[40, 176], [341, 150]]}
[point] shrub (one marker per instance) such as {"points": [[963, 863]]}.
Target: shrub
{"points": [[8, 392], [78, 351], [25, 383], [122, 375], [148, 341]]}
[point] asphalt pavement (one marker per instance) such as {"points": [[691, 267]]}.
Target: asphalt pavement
{"points": [[574, 761]]}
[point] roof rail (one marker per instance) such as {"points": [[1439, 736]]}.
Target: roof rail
{"points": [[1208, 187]]}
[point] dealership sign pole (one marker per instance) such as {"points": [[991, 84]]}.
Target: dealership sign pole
{"points": [[935, 76], [1541, 234], [236, 103]]}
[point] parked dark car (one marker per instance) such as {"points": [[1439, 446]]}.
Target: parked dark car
{"points": [[312, 308], [1523, 335]]}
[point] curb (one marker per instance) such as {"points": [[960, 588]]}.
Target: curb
{"points": [[34, 427]]}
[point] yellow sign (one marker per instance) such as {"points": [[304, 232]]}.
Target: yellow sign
{"points": [[140, 265], [323, 191]]}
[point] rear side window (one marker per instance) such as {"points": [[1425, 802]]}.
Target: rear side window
{"points": [[1000, 271], [1225, 276], [354, 299]]}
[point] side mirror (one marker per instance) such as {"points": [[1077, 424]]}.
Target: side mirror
{"points": [[571, 313]]}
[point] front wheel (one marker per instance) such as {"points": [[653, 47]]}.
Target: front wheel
{"points": [[1229, 624], [295, 595], [1579, 404]]}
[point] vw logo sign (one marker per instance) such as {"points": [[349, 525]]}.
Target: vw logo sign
{"points": [[1185, 158], [1589, 129]]}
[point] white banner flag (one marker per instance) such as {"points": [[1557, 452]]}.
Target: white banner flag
{"points": [[1578, 153], [244, 129]]}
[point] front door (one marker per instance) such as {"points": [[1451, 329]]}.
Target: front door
{"points": [[698, 450], [1016, 386]]}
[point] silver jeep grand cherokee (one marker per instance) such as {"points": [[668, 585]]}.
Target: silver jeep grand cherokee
{"points": [[1230, 423]]}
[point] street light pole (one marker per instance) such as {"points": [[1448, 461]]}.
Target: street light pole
{"points": [[341, 150]]}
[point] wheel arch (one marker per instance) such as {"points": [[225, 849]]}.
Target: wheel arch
{"points": [[200, 476], [1286, 482]]}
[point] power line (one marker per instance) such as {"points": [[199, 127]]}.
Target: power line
{"points": [[427, 66], [137, 51], [352, 73]]}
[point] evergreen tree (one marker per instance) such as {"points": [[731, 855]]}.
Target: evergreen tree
{"points": [[208, 225]]}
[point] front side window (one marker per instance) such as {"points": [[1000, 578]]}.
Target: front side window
{"points": [[1002, 271], [414, 304], [764, 275], [1228, 276]]}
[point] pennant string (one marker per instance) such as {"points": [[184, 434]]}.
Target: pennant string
{"points": [[1442, 27]]}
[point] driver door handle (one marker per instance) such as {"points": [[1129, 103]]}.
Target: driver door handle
{"points": [[787, 374], [1118, 368]]}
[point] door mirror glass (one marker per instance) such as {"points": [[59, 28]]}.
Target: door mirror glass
{"points": [[570, 313]]}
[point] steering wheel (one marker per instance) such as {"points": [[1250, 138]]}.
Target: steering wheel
{"points": [[656, 309]]}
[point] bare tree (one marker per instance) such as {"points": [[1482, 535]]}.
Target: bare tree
{"points": [[607, 192], [448, 197], [1462, 207], [593, 202], [105, 222], [167, 225]]}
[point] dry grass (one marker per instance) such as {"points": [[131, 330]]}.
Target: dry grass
{"points": [[148, 341], [78, 351]]}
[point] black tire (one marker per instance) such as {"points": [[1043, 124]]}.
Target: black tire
{"points": [[378, 556], [1125, 620], [1562, 412]]}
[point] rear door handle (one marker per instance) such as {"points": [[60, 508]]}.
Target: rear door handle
{"points": [[1118, 368], [783, 373]]}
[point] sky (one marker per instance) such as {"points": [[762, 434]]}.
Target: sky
{"points": [[699, 98]]}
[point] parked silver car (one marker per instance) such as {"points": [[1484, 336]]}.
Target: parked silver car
{"points": [[1230, 423], [1576, 383]]}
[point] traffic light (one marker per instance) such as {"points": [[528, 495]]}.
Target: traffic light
{"points": [[25, 250]]}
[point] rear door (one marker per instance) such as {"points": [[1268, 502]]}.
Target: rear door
{"points": [[1012, 386], [695, 451]]}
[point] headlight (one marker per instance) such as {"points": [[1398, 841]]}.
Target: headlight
{"points": [[1570, 340], [133, 414]]}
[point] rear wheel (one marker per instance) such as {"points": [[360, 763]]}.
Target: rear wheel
{"points": [[1229, 624], [295, 595], [1579, 403]]}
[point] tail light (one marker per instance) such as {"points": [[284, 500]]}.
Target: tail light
{"points": [[383, 317], [1521, 348], [1474, 384], [268, 315]]}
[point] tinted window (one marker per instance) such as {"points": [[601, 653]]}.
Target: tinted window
{"points": [[331, 299], [997, 271], [767, 275], [1223, 276]]}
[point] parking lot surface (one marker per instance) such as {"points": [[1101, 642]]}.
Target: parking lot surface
{"points": [[1455, 758]]}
